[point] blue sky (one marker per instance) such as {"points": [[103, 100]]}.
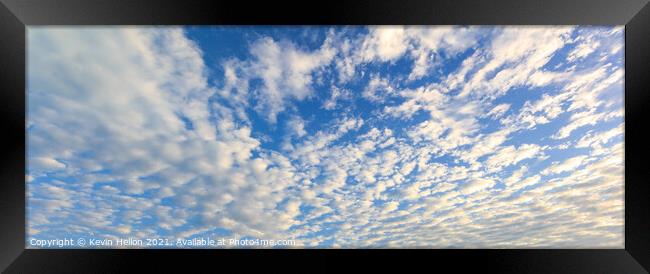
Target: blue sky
{"points": [[352, 137]]}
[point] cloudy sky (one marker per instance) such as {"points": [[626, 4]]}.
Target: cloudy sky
{"points": [[347, 137]]}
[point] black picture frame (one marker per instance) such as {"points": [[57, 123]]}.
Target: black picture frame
{"points": [[15, 15]]}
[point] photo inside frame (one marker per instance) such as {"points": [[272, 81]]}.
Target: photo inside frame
{"points": [[325, 137]]}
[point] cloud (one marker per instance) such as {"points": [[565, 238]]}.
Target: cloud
{"points": [[378, 89], [511, 155], [384, 44], [296, 126], [578, 120], [601, 138], [423, 45], [285, 70], [37, 164], [150, 129], [337, 94], [567, 165], [498, 110], [583, 49], [429, 43], [519, 50], [475, 185], [389, 136]]}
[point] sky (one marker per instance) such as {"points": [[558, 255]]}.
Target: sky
{"points": [[333, 137]]}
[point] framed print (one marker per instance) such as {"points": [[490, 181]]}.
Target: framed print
{"points": [[502, 136]]}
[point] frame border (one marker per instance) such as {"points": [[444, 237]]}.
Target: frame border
{"points": [[15, 15]]}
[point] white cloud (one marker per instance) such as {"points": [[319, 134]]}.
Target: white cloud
{"points": [[568, 165], [579, 120], [337, 94], [389, 43], [39, 164], [586, 47], [486, 145], [130, 119], [286, 72], [590, 86], [601, 138], [540, 112], [498, 110], [378, 89], [427, 42], [391, 206], [296, 126], [474, 185], [384, 43], [520, 50], [516, 176], [510, 155], [542, 78], [134, 120]]}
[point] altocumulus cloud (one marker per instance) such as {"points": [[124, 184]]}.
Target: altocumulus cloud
{"points": [[332, 137]]}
